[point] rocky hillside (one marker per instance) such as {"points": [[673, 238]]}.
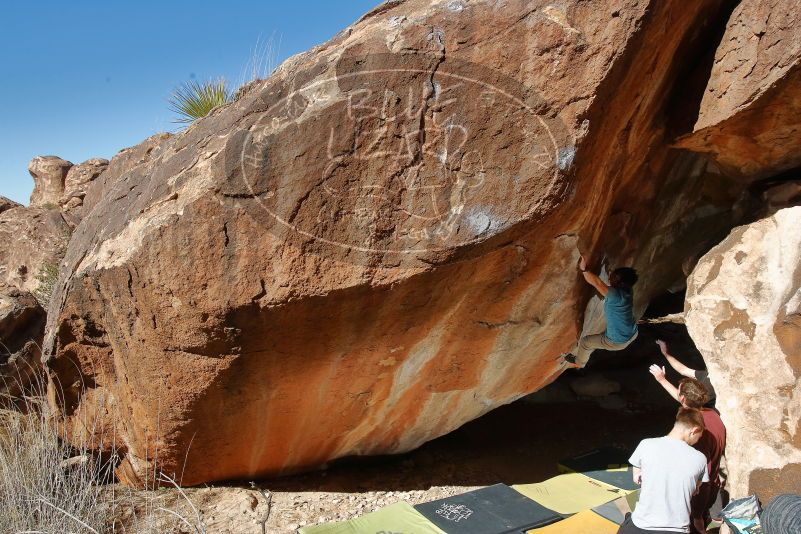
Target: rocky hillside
{"points": [[378, 243]]}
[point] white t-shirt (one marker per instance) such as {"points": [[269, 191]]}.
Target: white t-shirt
{"points": [[670, 470]]}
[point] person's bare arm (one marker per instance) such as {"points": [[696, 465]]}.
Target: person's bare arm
{"points": [[636, 474], [698, 522], [592, 278], [677, 366], [659, 375]]}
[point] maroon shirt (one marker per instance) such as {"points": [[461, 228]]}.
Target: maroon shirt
{"points": [[712, 443]]}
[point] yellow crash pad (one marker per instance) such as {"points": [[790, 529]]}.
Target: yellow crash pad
{"points": [[400, 517], [584, 522], [570, 493]]}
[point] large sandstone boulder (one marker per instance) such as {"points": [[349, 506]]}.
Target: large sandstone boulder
{"points": [[750, 116], [743, 310], [49, 174], [22, 322], [33, 243], [379, 243]]}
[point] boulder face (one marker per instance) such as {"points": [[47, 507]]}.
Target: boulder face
{"points": [[34, 240], [749, 121], [125, 160], [379, 243], [741, 300], [743, 310], [49, 173], [22, 322]]}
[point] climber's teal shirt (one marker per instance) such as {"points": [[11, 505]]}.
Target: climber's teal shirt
{"points": [[620, 323]]}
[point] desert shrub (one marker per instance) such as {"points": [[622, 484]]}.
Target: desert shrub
{"points": [[194, 100], [38, 492], [47, 278], [50, 487]]}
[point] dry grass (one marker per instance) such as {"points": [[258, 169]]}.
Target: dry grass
{"points": [[48, 486], [38, 492], [263, 60]]}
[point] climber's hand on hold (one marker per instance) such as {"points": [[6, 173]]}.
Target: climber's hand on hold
{"points": [[591, 278]]}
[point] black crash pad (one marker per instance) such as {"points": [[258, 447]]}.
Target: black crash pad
{"points": [[496, 509], [606, 464]]}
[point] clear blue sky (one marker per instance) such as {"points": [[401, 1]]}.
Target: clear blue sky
{"points": [[83, 79]]}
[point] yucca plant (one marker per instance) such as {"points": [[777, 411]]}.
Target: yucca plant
{"points": [[194, 100]]}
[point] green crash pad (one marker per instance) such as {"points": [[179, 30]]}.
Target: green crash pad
{"points": [[606, 464], [570, 493], [616, 510], [398, 518], [496, 509]]}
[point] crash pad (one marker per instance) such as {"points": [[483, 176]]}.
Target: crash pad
{"points": [[400, 517], [570, 493], [496, 509], [615, 511], [606, 464], [584, 522]]}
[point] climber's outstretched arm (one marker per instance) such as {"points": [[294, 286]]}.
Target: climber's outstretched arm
{"points": [[677, 366], [659, 375], [592, 278]]}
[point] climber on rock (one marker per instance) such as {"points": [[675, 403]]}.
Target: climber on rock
{"points": [[692, 394], [621, 327]]}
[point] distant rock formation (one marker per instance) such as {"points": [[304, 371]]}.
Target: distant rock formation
{"points": [[49, 173], [34, 241], [7, 204], [59, 183], [22, 322], [35, 237], [78, 180], [743, 311]]}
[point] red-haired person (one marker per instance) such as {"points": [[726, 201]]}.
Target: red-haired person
{"points": [[702, 375], [692, 394]]}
